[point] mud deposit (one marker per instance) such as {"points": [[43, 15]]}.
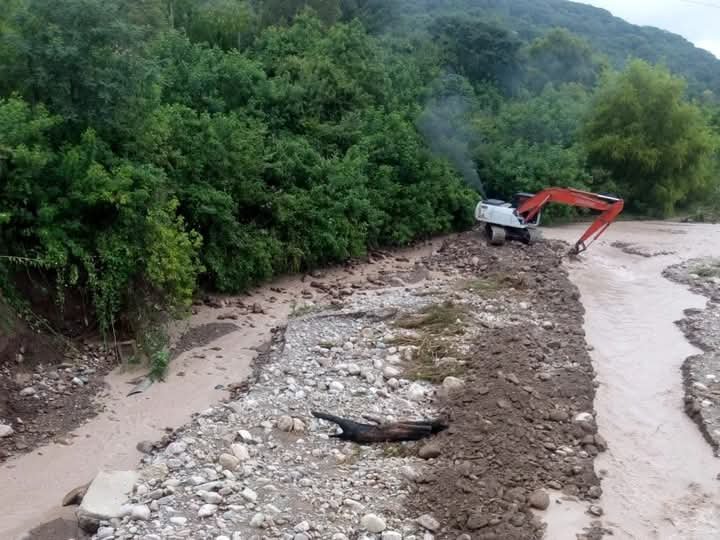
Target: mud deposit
{"points": [[524, 420], [47, 386]]}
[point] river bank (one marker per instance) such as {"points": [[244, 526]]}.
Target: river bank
{"points": [[34, 483], [536, 433], [702, 328], [514, 431]]}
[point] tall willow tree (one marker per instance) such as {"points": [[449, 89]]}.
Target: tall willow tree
{"points": [[657, 145]]}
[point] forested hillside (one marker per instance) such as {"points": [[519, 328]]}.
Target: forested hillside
{"points": [[609, 35], [149, 146]]}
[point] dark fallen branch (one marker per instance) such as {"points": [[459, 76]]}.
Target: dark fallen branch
{"points": [[395, 432]]}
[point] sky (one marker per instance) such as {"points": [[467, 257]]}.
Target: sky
{"points": [[696, 20]]}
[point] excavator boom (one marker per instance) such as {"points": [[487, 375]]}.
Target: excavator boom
{"points": [[609, 206]]}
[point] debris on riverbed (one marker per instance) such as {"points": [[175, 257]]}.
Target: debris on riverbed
{"points": [[46, 388], [408, 430], [642, 251], [702, 328], [498, 351]]}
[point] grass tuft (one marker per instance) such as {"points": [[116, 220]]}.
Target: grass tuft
{"points": [[435, 318]]}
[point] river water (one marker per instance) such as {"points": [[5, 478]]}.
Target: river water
{"points": [[659, 475]]}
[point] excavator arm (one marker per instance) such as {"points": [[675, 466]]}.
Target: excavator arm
{"points": [[609, 206]]}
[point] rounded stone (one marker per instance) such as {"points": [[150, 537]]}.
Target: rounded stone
{"points": [[539, 499], [373, 523]]}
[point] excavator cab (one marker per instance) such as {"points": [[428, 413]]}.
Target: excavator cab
{"points": [[519, 199]]}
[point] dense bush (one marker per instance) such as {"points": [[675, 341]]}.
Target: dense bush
{"points": [[148, 146], [142, 158]]}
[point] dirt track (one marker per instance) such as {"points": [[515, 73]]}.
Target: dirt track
{"points": [[514, 428]]}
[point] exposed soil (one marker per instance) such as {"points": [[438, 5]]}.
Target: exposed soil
{"points": [[200, 336], [46, 388], [512, 429], [504, 323]]}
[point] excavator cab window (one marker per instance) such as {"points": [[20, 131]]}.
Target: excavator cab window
{"points": [[519, 199]]}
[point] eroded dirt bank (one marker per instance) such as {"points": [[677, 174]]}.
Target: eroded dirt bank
{"points": [[659, 475], [489, 340]]}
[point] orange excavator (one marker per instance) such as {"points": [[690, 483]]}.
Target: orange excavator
{"points": [[520, 219]]}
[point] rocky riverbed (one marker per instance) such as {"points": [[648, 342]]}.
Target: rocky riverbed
{"points": [[490, 340], [702, 328]]}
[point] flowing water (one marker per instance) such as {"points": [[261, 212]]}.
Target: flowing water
{"points": [[659, 475]]}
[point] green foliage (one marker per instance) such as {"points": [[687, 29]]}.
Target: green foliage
{"points": [[284, 11], [172, 266], [147, 146], [531, 143], [78, 58], [177, 149], [609, 36], [559, 57], [656, 145], [375, 15], [226, 23], [476, 49]]}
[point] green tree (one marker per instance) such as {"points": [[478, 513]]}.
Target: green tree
{"points": [[657, 146], [477, 50], [80, 58], [375, 15], [560, 57], [224, 23], [206, 78], [529, 143], [283, 11]]}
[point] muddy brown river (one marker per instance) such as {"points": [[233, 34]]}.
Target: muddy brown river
{"points": [[659, 475]]}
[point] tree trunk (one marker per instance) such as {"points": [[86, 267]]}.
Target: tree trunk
{"points": [[395, 432]]}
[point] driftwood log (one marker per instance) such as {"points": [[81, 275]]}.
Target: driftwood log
{"points": [[378, 433]]}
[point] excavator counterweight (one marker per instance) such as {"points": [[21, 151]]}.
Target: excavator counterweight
{"points": [[521, 219]]}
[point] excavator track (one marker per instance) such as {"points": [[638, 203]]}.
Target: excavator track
{"points": [[497, 235], [532, 236]]}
